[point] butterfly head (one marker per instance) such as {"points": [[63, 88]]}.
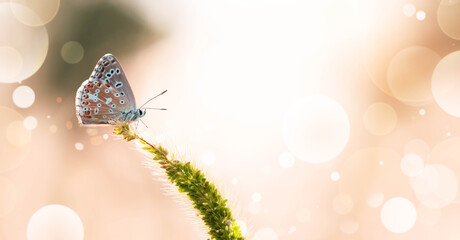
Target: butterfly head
{"points": [[141, 112]]}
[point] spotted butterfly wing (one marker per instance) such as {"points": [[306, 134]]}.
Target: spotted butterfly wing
{"points": [[106, 97]]}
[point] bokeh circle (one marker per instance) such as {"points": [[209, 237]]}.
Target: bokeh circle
{"points": [[44, 11], [380, 119], [24, 46], [72, 52], [398, 215], [412, 165], [409, 75], [446, 154], [375, 199], [446, 84], [349, 226], [265, 234], [30, 122], [342, 203], [436, 186], [55, 222], [23, 96], [449, 18]]}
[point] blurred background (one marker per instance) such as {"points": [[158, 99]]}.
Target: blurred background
{"points": [[317, 119]]}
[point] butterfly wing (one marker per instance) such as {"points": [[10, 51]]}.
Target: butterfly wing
{"points": [[108, 70], [106, 97], [98, 103]]}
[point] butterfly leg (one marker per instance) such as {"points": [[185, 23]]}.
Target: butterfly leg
{"points": [[144, 123]]}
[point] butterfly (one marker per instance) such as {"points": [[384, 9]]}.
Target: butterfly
{"points": [[106, 97]]}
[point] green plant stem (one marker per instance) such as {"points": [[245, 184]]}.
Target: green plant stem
{"points": [[188, 179]]}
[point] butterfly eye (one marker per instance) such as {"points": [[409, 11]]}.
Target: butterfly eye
{"points": [[107, 91], [116, 95], [122, 93], [112, 71], [97, 90], [110, 111], [122, 101], [108, 75], [104, 116], [119, 85], [99, 105], [110, 58], [96, 110], [113, 106], [118, 71]]}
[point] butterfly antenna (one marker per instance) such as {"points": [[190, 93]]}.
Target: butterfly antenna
{"points": [[156, 108], [153, 98]]}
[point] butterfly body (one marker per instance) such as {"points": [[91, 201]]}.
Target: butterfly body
{"points": [[106, 97]]}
